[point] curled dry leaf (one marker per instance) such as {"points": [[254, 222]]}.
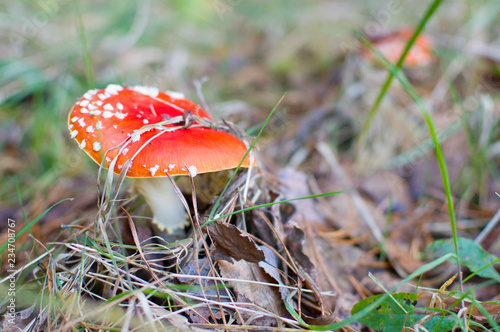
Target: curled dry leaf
{"points": [[233, 242], [269, 265]]}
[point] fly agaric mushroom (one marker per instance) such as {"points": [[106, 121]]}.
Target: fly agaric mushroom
{"points": [[152, 133], [392, 46]]}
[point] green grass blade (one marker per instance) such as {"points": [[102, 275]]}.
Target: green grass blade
{"points": [[396, 72], [89, 71], [271, 204], [421, 25], [28, 226]]}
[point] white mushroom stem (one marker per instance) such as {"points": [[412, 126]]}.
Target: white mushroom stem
{"points": [[168, 212]]}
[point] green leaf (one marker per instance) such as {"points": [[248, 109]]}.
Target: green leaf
{"points": [[471, 255], [396, 311]]}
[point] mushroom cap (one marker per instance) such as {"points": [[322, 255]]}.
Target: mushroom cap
{"points": [[392, 46], [125, 121]]}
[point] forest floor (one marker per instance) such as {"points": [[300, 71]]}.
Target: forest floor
{"points": [[374, 197]]}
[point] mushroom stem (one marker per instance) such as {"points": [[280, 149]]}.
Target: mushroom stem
{"points": [[169, 213]]}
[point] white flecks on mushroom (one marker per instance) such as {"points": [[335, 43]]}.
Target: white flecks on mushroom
{"points": [[108, 159], [115, 126], [183, 169], [90, 129], [144, 165], [71, 126], [81, 122], [120, 166], [135, 137], [192, 171], [175, 95], [96, 146], [82, 144], [98, 125], [119, 106], [145, 121], [92, 107], [74, 119], [84, 103], [171, 166], [84, 110], [103, 96], [147, 90], [120, 115], [95, 112], [74, 133], [99, 103], [108, 107], [113, 89], [107, 115], [124, 152], [154, 169], [89, 94]]}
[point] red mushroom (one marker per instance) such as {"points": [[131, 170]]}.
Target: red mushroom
{"points": [[392, 46], [159, 133]]}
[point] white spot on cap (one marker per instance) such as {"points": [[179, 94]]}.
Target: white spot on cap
{"points": [[108, 107], [120, 166], [96, 146], [125, 151], [107, 115], [84, 110], [95, 112], [192, 171], [115, 126], [89, 94], [81, 122], [99, 103], [74, 119], [175, 95], [98, 125], [108, 159], [113, 89], [90, 129], [71, 126], [103, 96], [135, 137], [82, 144], [147, 90], [119, 106], [145, 121], [74, 133], [84, 102], [171, 166], [120, 116], [154, 169], [92, 107]]}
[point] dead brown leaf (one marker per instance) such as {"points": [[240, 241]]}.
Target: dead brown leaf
{"points": [[260, 295], [233, 242]]}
